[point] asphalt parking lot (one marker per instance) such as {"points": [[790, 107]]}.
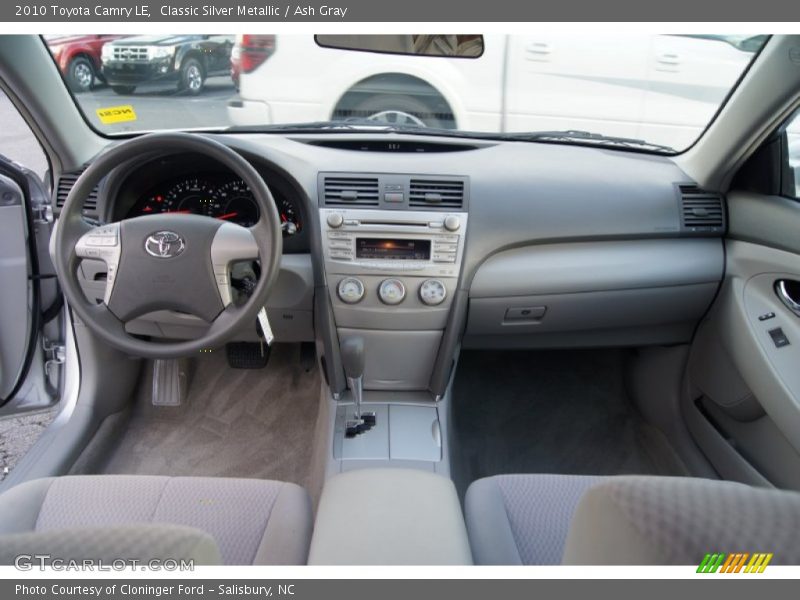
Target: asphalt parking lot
{"points": [[162, 106]]}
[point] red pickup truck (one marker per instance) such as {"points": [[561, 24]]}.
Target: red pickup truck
{"points": [[78, 58]]}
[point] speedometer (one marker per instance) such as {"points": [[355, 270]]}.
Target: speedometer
{"points": [[239, 205], [241, 208]]}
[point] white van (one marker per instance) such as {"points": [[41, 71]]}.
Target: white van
{"points": [[654, 87]]}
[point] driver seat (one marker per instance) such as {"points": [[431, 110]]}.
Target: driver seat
{"points": [[211, 519]]}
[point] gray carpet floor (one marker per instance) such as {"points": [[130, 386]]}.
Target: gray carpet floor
{"points": [[235, 423], [550, 412]]}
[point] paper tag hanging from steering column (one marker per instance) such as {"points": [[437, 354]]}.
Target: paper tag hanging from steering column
{"points": [[266, 329]]}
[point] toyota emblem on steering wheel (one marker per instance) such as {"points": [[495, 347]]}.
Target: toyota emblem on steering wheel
{"points": [[164, 244]]}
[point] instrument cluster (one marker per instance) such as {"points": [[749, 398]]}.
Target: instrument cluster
{"points": [[219, 197]]}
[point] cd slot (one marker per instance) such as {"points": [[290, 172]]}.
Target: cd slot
{"points": [[397, 223]]}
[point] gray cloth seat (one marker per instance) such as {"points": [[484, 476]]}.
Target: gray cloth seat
{"points": [[626, 520], [250, 521]]}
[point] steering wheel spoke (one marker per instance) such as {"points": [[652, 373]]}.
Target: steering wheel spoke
{"points": [[232, 243], [102, 243]]}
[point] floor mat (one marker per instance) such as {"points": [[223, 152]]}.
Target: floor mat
{"points": [[550, 412], [235, 423]]}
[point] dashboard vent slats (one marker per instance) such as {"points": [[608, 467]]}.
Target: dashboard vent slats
{"points": [[65, 183], [701, 211], [436, 193], [351, 191]]}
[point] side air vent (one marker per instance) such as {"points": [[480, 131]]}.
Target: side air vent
{"points": [[351, 191], [436, 193], [65, 183], [701, 211]]}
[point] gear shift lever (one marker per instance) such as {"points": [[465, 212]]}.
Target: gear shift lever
{"points": [[352, 351]]}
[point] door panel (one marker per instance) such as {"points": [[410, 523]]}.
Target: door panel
{"points": [[743, 376], [15, 289]]}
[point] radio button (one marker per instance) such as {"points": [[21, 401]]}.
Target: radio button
{"points": [[392, 291], [350, 290], [446, 257], [335, 220], [452, 223]]}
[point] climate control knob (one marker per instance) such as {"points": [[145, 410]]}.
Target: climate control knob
{"points": [[350, 290], [335, 220], [392, 291], [432, 292]]}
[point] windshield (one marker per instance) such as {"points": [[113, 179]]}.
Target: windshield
{"points": [[662, 90]]}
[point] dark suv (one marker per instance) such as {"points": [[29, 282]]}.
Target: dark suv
{"points": [[186, 60]]}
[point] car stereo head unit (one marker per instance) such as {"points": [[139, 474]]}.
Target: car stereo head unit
{"points": [[362, 240]]}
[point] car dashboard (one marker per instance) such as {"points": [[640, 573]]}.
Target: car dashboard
{"points": [[423, 245]]}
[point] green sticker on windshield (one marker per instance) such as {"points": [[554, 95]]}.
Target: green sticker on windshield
{"points": [[116, 114]]}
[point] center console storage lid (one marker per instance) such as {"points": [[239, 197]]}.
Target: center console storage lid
{"points": [[389, 517]]}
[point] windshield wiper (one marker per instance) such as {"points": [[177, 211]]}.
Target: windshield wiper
{"points": [[586, 137], [362, 125]]}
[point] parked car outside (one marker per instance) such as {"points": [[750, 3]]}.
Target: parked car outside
{"points": [[662, 88], [78, 58], [184, 60], [249, 52]]}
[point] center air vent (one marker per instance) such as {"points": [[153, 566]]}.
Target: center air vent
{"points": [[351, 191], [701, 211], [436, 193], [65, 183]]}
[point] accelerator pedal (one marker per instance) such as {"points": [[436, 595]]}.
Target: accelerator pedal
{"points": [[170, 382], [247, 355]]}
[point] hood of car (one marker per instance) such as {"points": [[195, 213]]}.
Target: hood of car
{"points": [[157, 40]]}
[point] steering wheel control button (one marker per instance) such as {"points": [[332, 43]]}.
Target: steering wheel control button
{"points": [[392, 291], [164, 244], [432, 292], [335, 220], [452, 223], [350, 290], [766, 316]]}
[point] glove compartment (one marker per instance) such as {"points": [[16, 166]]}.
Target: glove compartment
{"points": [[611, 293]]}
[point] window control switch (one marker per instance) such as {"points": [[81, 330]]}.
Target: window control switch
{"points": [[778, 337]]}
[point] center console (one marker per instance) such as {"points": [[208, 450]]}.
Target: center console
{"points": [[391, 276], [392, 248]]}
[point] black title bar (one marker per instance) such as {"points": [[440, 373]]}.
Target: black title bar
{"points": [[441, 11]]}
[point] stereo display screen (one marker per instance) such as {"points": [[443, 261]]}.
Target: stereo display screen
{"points": [[389, 249]]}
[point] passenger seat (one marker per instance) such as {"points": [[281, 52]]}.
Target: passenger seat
{"points": [[626, 520]]}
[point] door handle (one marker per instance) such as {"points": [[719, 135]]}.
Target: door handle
{"points": [[789, 293], [669, 58], [538, 51]]}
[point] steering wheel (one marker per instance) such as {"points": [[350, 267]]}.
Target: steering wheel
{"points": [[167, 261]]}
